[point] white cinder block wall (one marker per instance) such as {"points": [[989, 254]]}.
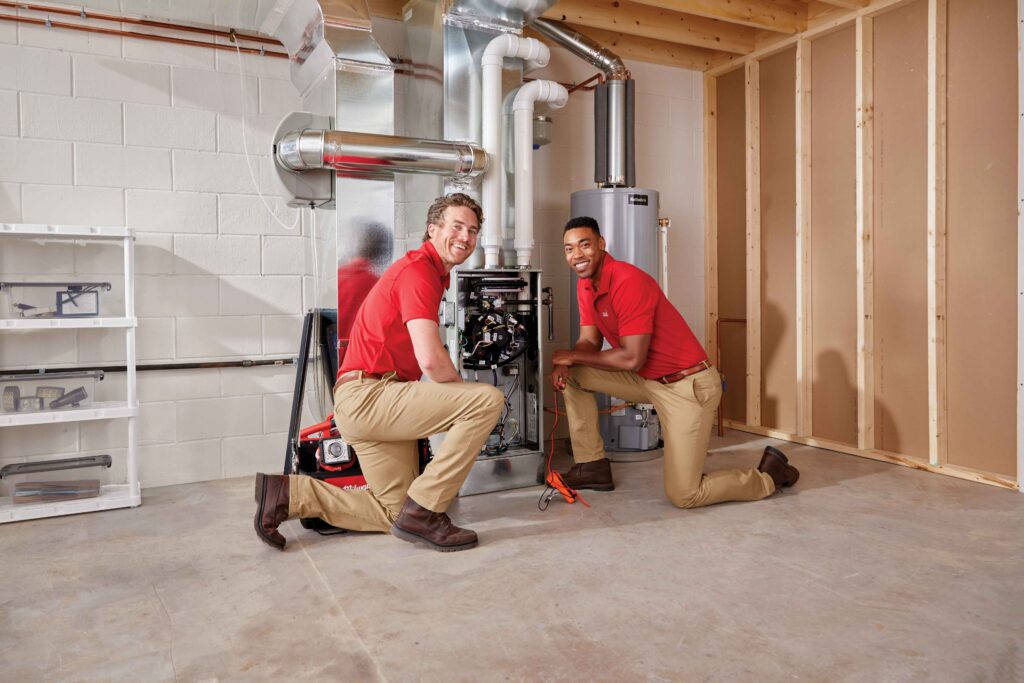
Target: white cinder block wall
{"points": [[103, 130]]}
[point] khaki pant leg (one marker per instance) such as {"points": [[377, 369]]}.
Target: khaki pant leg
{"points": [[686, 410], [581, 405], [383, 412]]}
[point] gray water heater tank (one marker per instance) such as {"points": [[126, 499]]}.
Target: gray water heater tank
{"points": [[628, 217]]}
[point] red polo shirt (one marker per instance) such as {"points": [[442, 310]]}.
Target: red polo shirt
{"points": [[630, 302], [409, 289]]}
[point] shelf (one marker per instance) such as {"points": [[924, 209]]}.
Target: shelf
{"points": [[65, 323], [101, 410], [111, 497], [64, 231]]}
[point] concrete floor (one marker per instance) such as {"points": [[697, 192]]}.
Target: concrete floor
{"points": [[864, 572]]}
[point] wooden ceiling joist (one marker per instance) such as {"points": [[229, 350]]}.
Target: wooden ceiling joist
{"points": [[635, 19], [847, 4], [782, 16], [647, 49]]}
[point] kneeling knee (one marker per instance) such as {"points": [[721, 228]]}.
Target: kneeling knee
{"points": [[493, 399], [685, 500]]}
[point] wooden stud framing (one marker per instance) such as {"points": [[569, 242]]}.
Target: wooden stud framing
{"points": [[784, 16], [937, 437], [882, 456], [711, 213], [753, 162], [804, 355], [1020, 248], [865, 235], [830, 26]]}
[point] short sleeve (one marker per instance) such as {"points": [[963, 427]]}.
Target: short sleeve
{"points": [[418, 294], [635, 300]]}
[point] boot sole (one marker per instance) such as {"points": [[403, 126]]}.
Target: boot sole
{"points": [[261, 496], [419, 540], [796, 476], [594, 487]]}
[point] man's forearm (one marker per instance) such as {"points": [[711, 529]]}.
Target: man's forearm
{"points": [[441, 369], [610, 359]]}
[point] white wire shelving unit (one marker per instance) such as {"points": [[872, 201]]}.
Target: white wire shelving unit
{"points": [[111, 496]]}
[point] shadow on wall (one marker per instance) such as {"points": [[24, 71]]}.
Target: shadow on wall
{"points": [[835, 402], [776, 413]]}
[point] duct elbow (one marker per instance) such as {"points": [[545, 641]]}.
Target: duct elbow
{"points": [[534, 53]]}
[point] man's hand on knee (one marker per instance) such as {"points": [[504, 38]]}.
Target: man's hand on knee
{"points": [[559, 377]]}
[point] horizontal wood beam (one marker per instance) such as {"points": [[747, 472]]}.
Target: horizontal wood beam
{"points": [[387, 9], [848, 4], [646, 49], [782, 16], [650, 22]]}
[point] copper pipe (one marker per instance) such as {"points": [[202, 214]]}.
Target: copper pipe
{"points": [[231, 35], [718, 361], [599, 77], [142, 36], [572, 88]]}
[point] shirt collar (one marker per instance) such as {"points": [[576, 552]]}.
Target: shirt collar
{"points": [[606, 272], [435, 260]]}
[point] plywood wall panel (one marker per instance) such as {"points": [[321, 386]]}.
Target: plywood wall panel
{"points": [[833, 255], [732, 289], [901, 230], [778, 241], [981, 335]]}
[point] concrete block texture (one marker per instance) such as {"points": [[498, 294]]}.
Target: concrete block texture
{"points": [[218, 337], [122, 80], [123, 167], [10, 203], [243, 456], [220, 254], [253, 215], [35, 161], [219, 417], [222, 173], [9, 113], [29, 70], [61, 205], [266, 294], [172, 212], [215, 91], [70, 118], [166, 127], [179, 463]]}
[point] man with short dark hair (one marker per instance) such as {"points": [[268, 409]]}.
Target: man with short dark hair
{"points": [[654, 358], [381, 409]]}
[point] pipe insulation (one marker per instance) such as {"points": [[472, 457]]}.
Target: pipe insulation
{"points": [[373, 155], [556, 96], [535, 55]]}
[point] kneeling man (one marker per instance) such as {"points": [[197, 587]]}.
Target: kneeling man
{"points": [[654, 358], [381, 408]]}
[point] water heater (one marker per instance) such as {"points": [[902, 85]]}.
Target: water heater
{"points": [[628, 217]]}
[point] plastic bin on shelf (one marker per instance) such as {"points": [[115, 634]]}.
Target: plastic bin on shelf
{"points": [[36, 391], [46, 300], [36, 482]]}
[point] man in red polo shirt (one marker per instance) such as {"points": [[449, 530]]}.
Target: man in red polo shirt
{"points": [[654, 358], [381, 408]]}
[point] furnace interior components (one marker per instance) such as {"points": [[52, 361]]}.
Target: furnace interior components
{"points": [[493, 335]]}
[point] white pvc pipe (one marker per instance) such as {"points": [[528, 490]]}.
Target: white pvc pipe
{"points": [[536, 54], [536, 91]]}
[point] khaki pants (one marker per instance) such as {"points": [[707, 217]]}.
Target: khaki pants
{"points": [[382, 419], [686, 410]]}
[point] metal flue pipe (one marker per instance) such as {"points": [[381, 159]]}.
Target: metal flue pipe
{"points": [[372, 155], [614, 154]]}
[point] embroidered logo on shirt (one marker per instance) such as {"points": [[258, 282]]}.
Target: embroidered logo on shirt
{"points": [[604, 314]]}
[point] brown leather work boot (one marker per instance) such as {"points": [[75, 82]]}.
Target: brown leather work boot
{"points": [[271, 508], [776, 465], [596, 476], [417, 524]]}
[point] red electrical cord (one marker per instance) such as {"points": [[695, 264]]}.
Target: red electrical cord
{"points": [[555, 482]]}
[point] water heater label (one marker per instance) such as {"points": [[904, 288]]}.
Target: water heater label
{"points": [[638, 199]]}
